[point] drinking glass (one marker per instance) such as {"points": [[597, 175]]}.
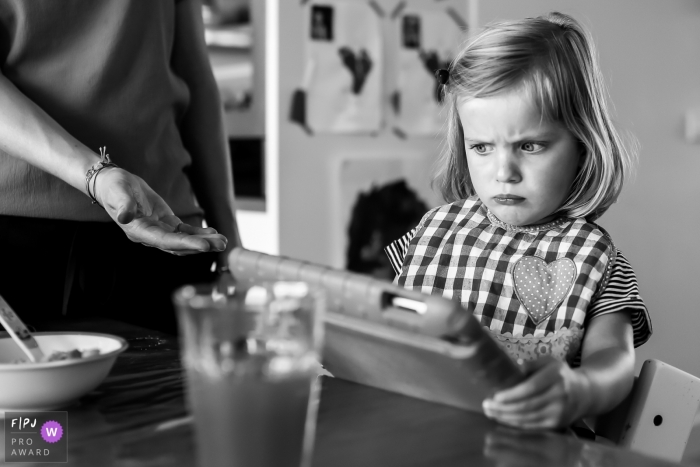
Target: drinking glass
{"points": [[251, 358]]}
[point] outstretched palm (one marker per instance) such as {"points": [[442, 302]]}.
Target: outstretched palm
{"points": [[147, 219]]}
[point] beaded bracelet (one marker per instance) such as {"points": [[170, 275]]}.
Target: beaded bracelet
{"points": [[91, 174]]}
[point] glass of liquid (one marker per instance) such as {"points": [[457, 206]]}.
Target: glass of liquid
{"points": [[251, 358]]}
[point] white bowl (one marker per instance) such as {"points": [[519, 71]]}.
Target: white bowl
{"points": [[31, 386]]}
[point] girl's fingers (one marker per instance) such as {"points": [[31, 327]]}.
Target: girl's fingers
{"points": [[547, 417], [542, 411], [537, 402], [547, 421], [536, 383]]}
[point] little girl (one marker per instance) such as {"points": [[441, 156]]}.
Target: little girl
{"points": [[532, 159]]}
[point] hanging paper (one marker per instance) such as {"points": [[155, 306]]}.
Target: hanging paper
{"points": [[342, 91], [428, 40]]}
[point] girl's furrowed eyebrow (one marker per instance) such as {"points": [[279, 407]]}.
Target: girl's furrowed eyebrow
{"points": [[473, 140], [535, 137], [545, 135]]}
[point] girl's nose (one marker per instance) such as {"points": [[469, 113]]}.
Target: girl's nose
{"points": [[508, 170]]}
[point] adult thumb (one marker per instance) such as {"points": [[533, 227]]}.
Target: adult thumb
{"points": [[126, 210]]}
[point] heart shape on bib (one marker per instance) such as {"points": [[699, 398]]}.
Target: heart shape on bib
{"points": [[541, 287]]}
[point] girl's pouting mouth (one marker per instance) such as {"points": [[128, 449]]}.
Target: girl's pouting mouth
{"points": [[508, 200]]}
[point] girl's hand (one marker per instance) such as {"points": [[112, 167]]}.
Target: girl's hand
{"points": [[552, 396], [147, 219]]}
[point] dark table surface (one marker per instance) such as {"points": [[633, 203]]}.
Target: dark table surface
{"points": [[137, 417]]}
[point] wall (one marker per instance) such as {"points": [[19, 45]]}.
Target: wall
{"points": [[650, 55], [258, 228], [306, 163]]}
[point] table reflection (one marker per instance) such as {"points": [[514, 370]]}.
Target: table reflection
{"points": [[509, 447]]}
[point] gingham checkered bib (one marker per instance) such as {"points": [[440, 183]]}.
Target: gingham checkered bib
{"points": [[530, 286]]}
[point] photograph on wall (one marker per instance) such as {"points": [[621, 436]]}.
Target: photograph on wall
{"points": [[342, 87], [428, 40]]}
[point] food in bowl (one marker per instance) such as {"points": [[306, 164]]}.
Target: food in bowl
{"points": [[59, 355], [48, 385], [74, 354]]}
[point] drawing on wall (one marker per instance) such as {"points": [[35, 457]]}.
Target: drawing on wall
{"points": [[375, 199], [427, 41], [381, 214], [341, 90]]}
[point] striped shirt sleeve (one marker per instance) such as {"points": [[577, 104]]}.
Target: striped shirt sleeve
{"points": [[622, 293], [396, 250]]}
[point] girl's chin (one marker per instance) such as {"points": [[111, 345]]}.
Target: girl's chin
{"points": [[517, 216]]}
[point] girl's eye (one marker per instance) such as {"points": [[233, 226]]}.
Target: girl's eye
{"points": [[532, 147], [479, 148]]}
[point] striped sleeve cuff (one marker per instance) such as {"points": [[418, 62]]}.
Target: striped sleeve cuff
{"points": [[396, 250], [622, 294]]}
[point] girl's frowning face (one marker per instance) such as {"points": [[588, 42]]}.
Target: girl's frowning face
{"points": [[522, 166]]}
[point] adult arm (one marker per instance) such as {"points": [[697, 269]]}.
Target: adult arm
{"points": [[30, 134], [202, 128]]}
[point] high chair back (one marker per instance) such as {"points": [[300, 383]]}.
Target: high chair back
{"points": [[657, 417], [382, 335]]}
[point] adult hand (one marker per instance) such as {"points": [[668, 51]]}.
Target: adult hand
{"points": [[147, 219], [551, 396]]}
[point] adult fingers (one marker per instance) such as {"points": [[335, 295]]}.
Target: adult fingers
{"points": [[217, 242], [183, 252], [194, 230], [162, 236], [172, 241]]}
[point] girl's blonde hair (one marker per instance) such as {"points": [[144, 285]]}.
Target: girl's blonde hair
{"points": [[553, 59]]}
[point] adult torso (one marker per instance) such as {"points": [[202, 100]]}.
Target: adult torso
{"points": [[101, 69]]}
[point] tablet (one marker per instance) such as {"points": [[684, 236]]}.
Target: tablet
{"points": [[400, 340]]}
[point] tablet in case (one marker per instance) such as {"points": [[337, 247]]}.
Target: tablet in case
{"points": [[400, 340]]}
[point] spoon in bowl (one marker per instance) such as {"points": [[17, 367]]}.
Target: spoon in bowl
{"points": [[19, 332]]}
